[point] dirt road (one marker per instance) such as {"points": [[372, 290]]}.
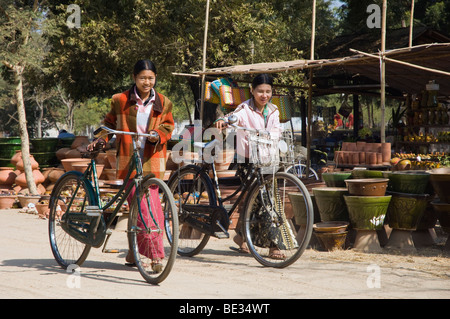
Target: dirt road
{"points": [[28, 270]]}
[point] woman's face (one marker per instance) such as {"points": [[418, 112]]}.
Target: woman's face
{"points": [[145, 81], [262, 94]]}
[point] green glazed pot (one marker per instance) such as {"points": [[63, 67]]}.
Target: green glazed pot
{"points": [[406, 210], [336, 179], [299, 207], [367, 212], [331, 204], [10, 140], [409, 182]]}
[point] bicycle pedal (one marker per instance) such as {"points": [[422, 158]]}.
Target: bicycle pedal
{"points": [[222, 235], [93, 211]]}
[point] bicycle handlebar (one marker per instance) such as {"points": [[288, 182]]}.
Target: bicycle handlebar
{"points": [[110, 130]]}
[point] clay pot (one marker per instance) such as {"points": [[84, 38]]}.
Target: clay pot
{"points": [[81, 167], [61, 153], [24, 200], [7, 201], [336, 179], [372, 158], [367, 186], [360, 146], [440, 179], [111, 173], [111, 154], [386, 152], [67, 162], [331, 204], [224, 160], [79, 141], [338, 157], [73, 153], [412, 182], [55, 174], [43, 210], [7, 176], [22, 181], [34, 163], [379, 158], [362, 157], [16, 157], [367, 212]]}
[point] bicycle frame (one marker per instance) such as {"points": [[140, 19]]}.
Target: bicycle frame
{"points": [[90, 174]]}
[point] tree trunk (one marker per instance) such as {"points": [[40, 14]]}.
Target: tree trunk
{"points": [[23, 131]]}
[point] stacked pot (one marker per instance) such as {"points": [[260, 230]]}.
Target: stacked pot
{"points": [[440, 180], [367, 205], [410, 197], [362, 153]]}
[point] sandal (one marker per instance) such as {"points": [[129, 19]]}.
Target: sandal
{"points": [[277, 254]]}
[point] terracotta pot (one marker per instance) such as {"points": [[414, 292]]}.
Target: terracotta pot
{"points": [[360, 146], [61, 153], [7, 176], [386, 152], [34, 163], [102, 158], [111, 173], [24, 200], [22, 181], [7, 201], [73, 153], [111, 155], [362, 157], [224, 160], [67, 162], [355, 158], [367, 186], [81, 167], [372, 158], [16, 157], [43, 210], [55, 174], [79, 141], [338, 157], [379, 158]]}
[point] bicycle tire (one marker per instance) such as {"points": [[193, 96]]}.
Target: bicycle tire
{"points": [[191, 241], [157, 236], [299, 170], [66, 249], [281, 223]]}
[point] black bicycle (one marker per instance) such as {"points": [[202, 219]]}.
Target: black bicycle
{"points": [[80, 218], [278, 213]]}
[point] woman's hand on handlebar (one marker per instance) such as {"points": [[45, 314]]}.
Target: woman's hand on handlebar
{"points": [[221, 124], [96, 145]]}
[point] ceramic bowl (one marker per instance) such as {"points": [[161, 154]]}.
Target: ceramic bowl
{"points": [[367, 212], [331, 227], [367, 186], [410, 182]]}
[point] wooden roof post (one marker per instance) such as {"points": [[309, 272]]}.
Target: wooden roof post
{"points": [[308, 141], [383, 73], [205, 41]]}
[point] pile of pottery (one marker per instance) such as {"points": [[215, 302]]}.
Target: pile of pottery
{"points": [[362, 153], [367, 205], [332, 230], [410, 198], [440, 180], [20, 181]]}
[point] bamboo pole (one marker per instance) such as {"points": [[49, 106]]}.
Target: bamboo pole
{"points": [[411, 23], [205, 41], [308, 127], [383, 74], [403, 63]]}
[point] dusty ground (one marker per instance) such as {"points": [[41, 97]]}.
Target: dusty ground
{"points": [[28, 270]]}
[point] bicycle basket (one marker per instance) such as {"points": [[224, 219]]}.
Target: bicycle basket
{"points": [[266, 150]]}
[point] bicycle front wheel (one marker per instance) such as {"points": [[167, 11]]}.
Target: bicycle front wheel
{"points": [[71, 192], [278, 220], [153, 230]]}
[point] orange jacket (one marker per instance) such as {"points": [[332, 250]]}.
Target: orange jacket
{"points": [[122, 117]]}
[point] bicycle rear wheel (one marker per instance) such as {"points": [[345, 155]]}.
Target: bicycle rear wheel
{"points": [[66, 249], [299, 170], [191, 187], [153, 230], [278, 220]]}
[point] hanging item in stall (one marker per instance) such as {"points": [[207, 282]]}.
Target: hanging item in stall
{"points": [[285, 105], [240, 94], [345, 108], [210, 95]]}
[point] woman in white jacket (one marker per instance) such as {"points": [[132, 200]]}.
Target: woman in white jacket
{"points": [[257, 113]]}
